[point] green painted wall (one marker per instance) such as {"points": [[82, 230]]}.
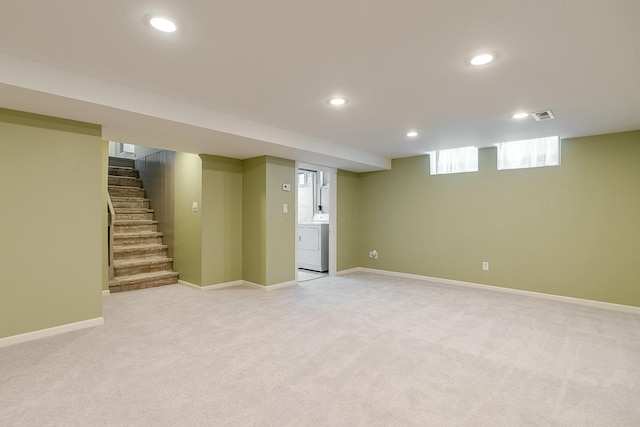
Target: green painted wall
{"points": [[571, 230], [281, 226], [254, 220], [221, 220], [52, 210], [268, 234], [240, 231], [187, 253], [208, 243], [348, 222]]}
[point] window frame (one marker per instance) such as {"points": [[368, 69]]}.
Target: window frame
{"points": [[435, 157], [526, 163]]}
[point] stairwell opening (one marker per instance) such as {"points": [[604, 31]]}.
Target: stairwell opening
{"points": [[138, 257]]}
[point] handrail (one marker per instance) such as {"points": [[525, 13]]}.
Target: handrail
{"points": [[112, 212], [111, 220]]}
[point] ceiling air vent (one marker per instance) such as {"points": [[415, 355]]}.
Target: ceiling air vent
{"points": [[541, 116]]}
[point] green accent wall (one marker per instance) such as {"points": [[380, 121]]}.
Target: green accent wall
{"points": [[53, 210], [571, 230], [221, 219], [208, 243], [187, 238], [281, 226], [268, 233], [254, 220], [348, 222]]}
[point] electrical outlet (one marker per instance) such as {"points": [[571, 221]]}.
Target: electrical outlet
{"points": [[485, 265], [375, 254]]}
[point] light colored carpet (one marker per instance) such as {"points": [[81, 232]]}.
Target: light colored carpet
{"points": [[357, 350], [306, 275]]}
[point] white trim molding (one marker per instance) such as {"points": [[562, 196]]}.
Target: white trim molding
{"points": [[281, 285], [238, 283], [49, 332], [350, 271], [254, 285], [270, 287], [210, 287], [106, 293], [570, 300]]}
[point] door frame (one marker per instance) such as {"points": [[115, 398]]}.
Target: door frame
{"points": [[333, 213]]}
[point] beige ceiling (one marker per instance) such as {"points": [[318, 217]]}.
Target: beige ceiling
{"points": [[247, 78]]}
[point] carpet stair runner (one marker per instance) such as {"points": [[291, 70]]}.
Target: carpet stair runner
{"points": [[139, 258]]}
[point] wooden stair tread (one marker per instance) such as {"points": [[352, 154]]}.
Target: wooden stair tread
{"points": [[133, 210], [126, 178], [134, 221], [137, 234], [123, 280], [133, 248], [140, 261], [120, 187], [122, 168], [128, 199]]}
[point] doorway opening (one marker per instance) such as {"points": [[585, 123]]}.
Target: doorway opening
{"points": [[315, 215]]}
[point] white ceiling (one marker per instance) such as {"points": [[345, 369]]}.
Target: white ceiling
{"points": [[247, 78]]}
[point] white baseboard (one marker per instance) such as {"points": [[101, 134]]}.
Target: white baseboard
{"points": [[270, 287], [570, 300], [349, 271], [281, 285], [49, 332], [105, 293], [254, 285], [238, 283], [210, 287]]}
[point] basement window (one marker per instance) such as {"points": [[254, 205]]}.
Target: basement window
{"points": [[454, 160], [529, 153]]}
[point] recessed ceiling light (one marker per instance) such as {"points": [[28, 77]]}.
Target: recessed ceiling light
{"points": [[520, 115], [163, 24], [483, 59], [337, 101], [412, 134]]}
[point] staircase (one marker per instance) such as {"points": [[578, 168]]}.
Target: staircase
{"points": [[139, 258]]}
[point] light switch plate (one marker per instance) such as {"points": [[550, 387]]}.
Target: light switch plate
{"points": [[194, 207], [285, 208]]}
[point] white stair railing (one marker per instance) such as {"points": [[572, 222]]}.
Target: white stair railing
{"points": [[111, 220]]}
